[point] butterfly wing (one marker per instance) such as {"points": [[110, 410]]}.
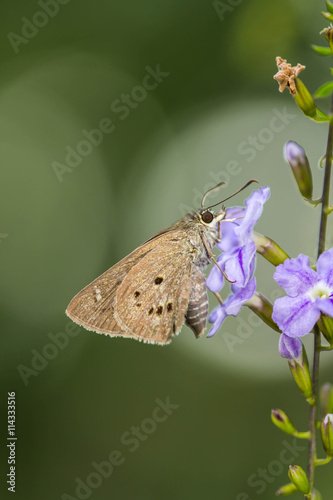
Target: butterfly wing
{"points": [[94, 306], [152, 300]]}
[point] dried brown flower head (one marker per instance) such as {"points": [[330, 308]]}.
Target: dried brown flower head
{"points": [[287, 74]]}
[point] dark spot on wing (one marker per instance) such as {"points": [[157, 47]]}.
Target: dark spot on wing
{"points": [[159, 310], [138, 304], [151, 310], [137, 294], [169, 307], [158, 280]]}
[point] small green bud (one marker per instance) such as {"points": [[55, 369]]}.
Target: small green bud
{"points": [[263, 308], [300, 370], [269, 249], [282, 421], [287, 489], [298, 477], [326, 429], [295, 155], [304, 99], [325, 324], [326, 398]]}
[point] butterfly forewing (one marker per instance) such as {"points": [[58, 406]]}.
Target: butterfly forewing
{"points": [[152, 300]]}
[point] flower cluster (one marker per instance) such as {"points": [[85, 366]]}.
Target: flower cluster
{"points": [[237, 258]]}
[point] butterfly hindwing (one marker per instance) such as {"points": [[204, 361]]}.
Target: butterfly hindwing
{"points": [[94, 306], [152, 300]]}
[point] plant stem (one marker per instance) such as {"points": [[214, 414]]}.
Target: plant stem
{"points": [[317, 334], [313, 410]]}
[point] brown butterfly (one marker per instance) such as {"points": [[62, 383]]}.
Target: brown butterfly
{"points": [[150, 293]]}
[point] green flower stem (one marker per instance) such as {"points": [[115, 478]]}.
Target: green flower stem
{"points": [[322, 461], [303, 435], [317, 338], [326, 348]]}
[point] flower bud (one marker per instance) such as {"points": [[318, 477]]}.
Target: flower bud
{"points": [[290, 348], [328, 16], [316, 495], [304, 99], [269, 249], [326, 398], [287, 489], [282, 421], [329, 35], [298, 477], [297, 159], [300, 369], [325, 324], [326, 429]]}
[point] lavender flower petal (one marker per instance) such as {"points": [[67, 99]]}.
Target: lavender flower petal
{"points": [[239, 266], [325, 305], [229, 240], [217, 317], [325, 267], [235, 302], [295, 316], [215, 280], [231, 306], [254, 207], [296, 275]]}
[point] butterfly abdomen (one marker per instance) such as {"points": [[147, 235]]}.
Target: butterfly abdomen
{"points": [[197, 310]]}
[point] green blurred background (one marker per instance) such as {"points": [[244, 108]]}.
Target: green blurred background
{"points": [[62, 227]]}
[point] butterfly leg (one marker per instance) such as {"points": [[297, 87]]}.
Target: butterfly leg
{"points": [[211, 256]]}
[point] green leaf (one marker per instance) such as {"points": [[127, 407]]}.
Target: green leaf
{"points": [[329, 6], [324, 90], [322, 51]]}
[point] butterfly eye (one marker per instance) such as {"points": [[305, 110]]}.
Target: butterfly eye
{"points": [[207, 217]]}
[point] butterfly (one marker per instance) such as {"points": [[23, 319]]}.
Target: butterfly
{"points": [[149, 294]]}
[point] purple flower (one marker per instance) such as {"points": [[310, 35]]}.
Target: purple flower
{"points": [[238, 250], [310, 293], [232, 306]]}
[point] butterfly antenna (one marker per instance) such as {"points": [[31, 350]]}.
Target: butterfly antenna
{"points": [[239, 190], [211, 190]]}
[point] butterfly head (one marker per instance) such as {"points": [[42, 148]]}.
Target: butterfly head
{"points": [[209, 219]]}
